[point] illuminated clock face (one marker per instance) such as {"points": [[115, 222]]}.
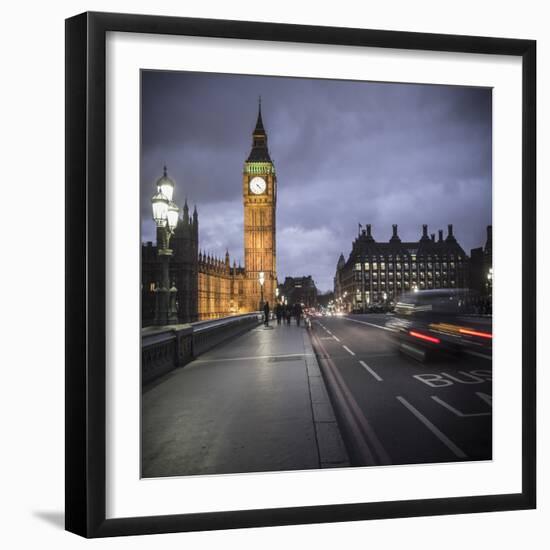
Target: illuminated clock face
{"points": [[257, 185]]}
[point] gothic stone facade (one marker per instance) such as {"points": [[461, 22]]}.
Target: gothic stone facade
{"points": [[377, 272]]}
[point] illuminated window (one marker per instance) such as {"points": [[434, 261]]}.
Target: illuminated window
{"points": [[357, 267], [374, 265], [367, 266], [398, 266], [382, 266], [152, 287]]}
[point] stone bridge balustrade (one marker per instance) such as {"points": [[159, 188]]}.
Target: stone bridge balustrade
{"points": [[166, 348]]}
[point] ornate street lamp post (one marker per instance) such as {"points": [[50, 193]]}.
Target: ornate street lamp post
{"points": [[165, 214], [261, 279], [490, 281]]}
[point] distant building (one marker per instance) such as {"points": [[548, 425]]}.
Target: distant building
{"points": [[300, 290], [481, 266], [377, 272]]}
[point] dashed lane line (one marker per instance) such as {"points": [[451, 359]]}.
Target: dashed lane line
{"points": [[370, 371], [457, 451], [336, 338], [348, 350]]}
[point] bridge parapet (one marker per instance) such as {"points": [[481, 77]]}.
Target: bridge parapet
{"points": [[166, 348]]}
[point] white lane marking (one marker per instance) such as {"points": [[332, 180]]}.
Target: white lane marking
{"points": [[476, 354], [456, 411], [328, 331], [487, 398], [348, 350], [363, 364], [369, 324], [336, 338], [436, 431]]}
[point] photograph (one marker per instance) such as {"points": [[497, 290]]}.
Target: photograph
{"points": [[316, 273]]}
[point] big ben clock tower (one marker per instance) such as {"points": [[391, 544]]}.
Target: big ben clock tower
{"points": [[260, 201]]}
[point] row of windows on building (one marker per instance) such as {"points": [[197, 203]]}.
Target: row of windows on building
{"points": [[373, 266], [406, 276], [409, 285]]}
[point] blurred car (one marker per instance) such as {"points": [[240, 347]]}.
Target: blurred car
{"points": [[432, 322]]}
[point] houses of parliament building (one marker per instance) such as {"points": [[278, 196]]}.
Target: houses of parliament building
{"points": [[210, 287]]}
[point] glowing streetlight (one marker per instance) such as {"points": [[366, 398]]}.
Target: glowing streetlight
{"points": [[261, 279], [165, 215]]}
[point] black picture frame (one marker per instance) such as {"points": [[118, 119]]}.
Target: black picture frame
{"points": [[86, 280]]}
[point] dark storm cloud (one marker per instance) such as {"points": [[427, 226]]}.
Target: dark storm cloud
{"points": [[345, 152]]}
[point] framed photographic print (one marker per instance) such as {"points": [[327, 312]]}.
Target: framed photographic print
{"points": [[300, 274]]}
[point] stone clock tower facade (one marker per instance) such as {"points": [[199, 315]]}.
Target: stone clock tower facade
{"points": [[260, 202]]}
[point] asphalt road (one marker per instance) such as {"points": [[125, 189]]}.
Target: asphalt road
{"points": [[396, 410]]}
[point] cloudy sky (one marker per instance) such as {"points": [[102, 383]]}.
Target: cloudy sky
{"points": [[345, 153]]}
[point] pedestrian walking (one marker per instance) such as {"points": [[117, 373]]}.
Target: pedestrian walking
{"points": [[266, 314], [298, 313], [288, 313], [279, 313]]}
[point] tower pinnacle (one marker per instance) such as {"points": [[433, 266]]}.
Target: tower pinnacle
{"points": [[259, 152]]}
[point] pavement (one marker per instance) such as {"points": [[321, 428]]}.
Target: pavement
{"points": [[257, 403], [396, 410]]}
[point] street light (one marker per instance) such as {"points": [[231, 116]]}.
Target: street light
{"points": [[261, 279], [165, 215], [490, 281], [277, 293]]}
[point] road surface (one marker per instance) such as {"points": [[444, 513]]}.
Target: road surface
{"points": [[396, 410]]}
